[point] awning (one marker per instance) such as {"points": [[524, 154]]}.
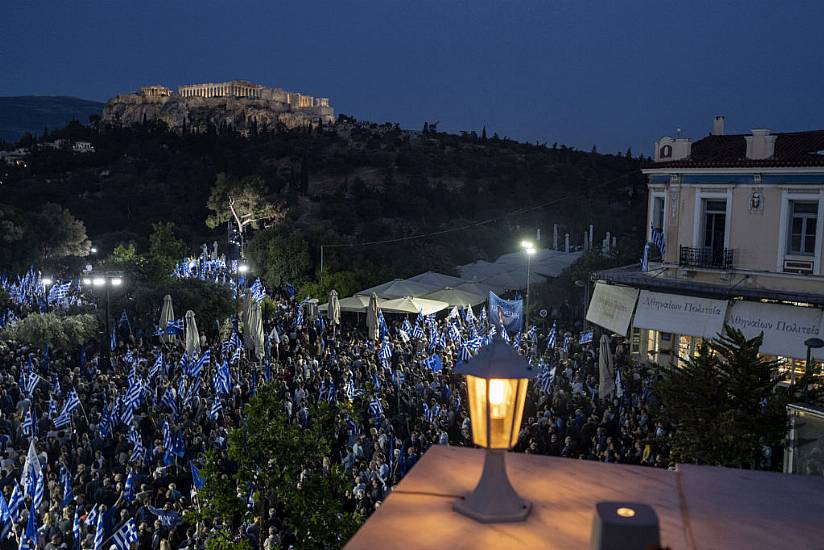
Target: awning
{"points": [[353, 304], [687, 315], [611, 307], [413, 305], [785, 327]]}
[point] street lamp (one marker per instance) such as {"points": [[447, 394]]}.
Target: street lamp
{"points": [[529, 248], [106, 279], [47, 282], [496, 381], [811, 343]]}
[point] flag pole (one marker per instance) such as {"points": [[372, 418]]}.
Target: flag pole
{"points": [[82, 408]]}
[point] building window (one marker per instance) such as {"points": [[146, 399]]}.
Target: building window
{"points": [[803, 220], [715, 220], [658, 213], [666, 152]]}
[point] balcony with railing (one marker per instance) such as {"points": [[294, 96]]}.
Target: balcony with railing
{"points": [[705, 257]]}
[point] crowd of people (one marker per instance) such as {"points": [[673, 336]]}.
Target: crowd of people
{"points": [[107, 455]]}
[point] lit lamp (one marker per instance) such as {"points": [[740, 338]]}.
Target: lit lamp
{"points": [[496, 381]]}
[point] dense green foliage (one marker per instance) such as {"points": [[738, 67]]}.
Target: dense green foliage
{"points": [[287, 466], [725, 403], [64, 332], [343, 185]]}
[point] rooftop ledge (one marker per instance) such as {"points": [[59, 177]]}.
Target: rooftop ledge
{"points": [[697, 506]]}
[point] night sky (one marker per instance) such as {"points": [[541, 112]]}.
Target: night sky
{"points": [[614, 74]]}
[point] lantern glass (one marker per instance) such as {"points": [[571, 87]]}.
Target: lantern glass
{"points": [[496, 407]]}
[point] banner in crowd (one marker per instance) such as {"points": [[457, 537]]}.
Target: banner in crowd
{"points": [[506, 313], [785, 327], [611, 307], [687, 315]]}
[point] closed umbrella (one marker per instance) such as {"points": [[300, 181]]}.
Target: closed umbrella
{"points": [[334, 308], [254, 329], [192, 336], [167, 314], [372, 318], [606, 369]]}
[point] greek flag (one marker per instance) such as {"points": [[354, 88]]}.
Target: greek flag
{"points": [[175, 326], [223, 380], [38, 487], [158, 365], [431, 413], [258, 291], [463, 354], [350, 390], [386, 350], [62, 420], [482, 318], [132, 397], [236, 356], [375, 409], [169, 400], [546, 376], [52, 407], [56, 385], [567, 342], [68, 492], [442, 341], [31, 383], [167, 435], [216, 408], [516, 342], [434, 363], [76, 529], [29, 425], [28, 539], [168, 518], [299, 318], [406, 326], [553, 336], [417, 332], [645, 259], [474, 344], [383, 330], [204, 359], [454, 333], [105, 422], [128, 487], [91, 517], [470, 315], [15, 502], [125, 536], [657, 236], [72, 402]]}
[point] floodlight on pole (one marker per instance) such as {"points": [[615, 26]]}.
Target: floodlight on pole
{"points": [[47, 281]]}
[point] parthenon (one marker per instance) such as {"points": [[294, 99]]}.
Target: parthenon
{"points": [[236, 88]]}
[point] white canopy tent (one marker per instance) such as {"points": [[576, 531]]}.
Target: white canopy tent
{"points": [[413, 305], [457, 297], [509, 271], [437, 280], [399, 288], [353, 304]]}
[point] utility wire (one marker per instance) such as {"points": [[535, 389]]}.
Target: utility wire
{"points": [[473, 224]]}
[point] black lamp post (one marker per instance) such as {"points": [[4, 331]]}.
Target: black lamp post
{"points": [[811, 343], [105, 280]]}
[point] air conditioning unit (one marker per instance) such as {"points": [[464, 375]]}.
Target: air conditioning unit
{"points": [[803, 267]]}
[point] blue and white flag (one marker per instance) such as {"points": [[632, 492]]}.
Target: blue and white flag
{"points": [[29, 424], [28, 540], [434, 363], [645, 259], [216, 408], [197, 366], [552, 339], [15, 502], [375, 409], [128, 487], [508, 314], [657, 237], [586, 337], [197, 480], [125, 535], [76, 534], [258, 291], [91, 517], [156, 367], [68, 492], [223, 380]]}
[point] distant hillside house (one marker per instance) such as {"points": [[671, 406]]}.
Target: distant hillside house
{"points": [[736, 231], [239, 105], [83, 147]]}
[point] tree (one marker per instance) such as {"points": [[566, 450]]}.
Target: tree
{"points": [[724, 403], [59, 233], [58, 331], [242, 201], [18, 247], [165, 250], [279, 257], [286, 467]]}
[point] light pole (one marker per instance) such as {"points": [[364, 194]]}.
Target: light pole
{"points": [[585, 285], [105, 280], [47, 282], [529, 248], [811, 343]]}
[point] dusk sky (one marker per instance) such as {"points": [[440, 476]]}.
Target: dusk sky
{"points": [[613, 74]]}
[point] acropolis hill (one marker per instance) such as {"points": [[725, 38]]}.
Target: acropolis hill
{"points": [[236, 104]]}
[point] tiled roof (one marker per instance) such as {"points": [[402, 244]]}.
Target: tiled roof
{"points": [[730, 151]]}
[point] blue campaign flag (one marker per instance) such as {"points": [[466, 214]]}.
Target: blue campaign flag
{"points": [[290, 290], [434, 363], [586, 337], [168, 518], [506, 313], [197, 479]]}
